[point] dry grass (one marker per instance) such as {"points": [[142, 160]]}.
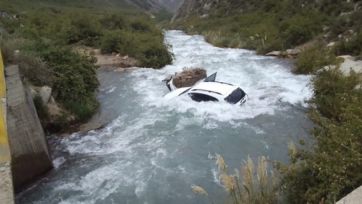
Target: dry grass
{"points": [[253, 184]]}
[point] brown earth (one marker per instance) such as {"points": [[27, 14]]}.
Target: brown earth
{"points": [[188, 77], [108, 60]]}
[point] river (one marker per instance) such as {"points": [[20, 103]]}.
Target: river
{"points": [[154, 149]]}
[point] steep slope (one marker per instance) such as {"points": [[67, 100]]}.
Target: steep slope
{"points": [[171, 5], [146, 5], [268, 25], [195, 7]]}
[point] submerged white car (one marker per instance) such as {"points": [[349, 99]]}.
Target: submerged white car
{"points": [[209, 90]]}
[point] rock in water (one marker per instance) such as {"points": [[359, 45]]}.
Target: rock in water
{"points": [[188, 77]]}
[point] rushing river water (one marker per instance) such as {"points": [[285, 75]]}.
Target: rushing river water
{"points": [[154, 149]]}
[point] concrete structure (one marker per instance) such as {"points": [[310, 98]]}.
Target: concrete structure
{"points": [[6, 185], [29, 149], [353, 198]]}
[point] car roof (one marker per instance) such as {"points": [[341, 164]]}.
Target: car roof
{"points": [[214, 87]]}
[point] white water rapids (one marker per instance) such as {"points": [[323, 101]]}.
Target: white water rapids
{"points": [[155, 149]]}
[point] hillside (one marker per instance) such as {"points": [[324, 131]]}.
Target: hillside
{"points": [[171, 5], [153, 6], [268, 25]]}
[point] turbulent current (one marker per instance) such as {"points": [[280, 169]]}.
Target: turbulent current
{"points": [[154, 149]]}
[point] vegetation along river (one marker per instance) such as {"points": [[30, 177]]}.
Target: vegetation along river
{"points": [[155, 149]]}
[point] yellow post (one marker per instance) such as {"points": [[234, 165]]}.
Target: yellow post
{"points": [[4, 143]]}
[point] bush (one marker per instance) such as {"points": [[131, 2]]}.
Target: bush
{"points": [[148, 50], [301, 28], [313, 59], [113, 22], [332, 169], [352, 46], [75, 81], [110, 42], [155, 56], [141, 26], [84, 30], [334, 93]]}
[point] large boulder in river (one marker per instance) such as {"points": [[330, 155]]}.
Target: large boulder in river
{"points": [[188, 77]]}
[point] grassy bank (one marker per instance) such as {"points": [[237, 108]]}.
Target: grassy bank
{"points": [[41, 36], [269, 25], [332, 168]]}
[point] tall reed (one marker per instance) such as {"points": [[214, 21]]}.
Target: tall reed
{"points": [[252, 184]]}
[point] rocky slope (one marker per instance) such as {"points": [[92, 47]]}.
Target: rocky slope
{"points": [[157, 5], [171, 5], [195, 7]]}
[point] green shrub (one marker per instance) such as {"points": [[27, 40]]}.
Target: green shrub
{"points": [[141, 26], [334, 92], [110, 42], [351, 47], [301, 28], [84, 30], [35, 70], [113, 22], [313, 59], [332, 169], [155, 56], [122, 42], [148, 50], [75, 80]]}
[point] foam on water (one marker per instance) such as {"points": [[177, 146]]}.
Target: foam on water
{"points": [[266, 81], [156, 149]]}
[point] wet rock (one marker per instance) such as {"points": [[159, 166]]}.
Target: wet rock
{"points": [[188, 77], [331, 44], [274, 53], [293, 52], [45, 93], [53, 108], [289, 53], [350, 64]]}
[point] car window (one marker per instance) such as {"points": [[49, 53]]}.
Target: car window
{"points": [[235, 96], [211, 78], [201, 97]]}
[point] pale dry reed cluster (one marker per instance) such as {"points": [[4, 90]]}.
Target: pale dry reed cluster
{"points": [[252, 184]]}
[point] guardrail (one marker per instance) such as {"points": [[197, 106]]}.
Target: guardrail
{"points": [[6, 185]]}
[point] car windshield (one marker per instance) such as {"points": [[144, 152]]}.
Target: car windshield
{"points": [[235, 96]]}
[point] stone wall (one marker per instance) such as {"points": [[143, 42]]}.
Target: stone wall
{"points": [[353, 198], [29, 149]]}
